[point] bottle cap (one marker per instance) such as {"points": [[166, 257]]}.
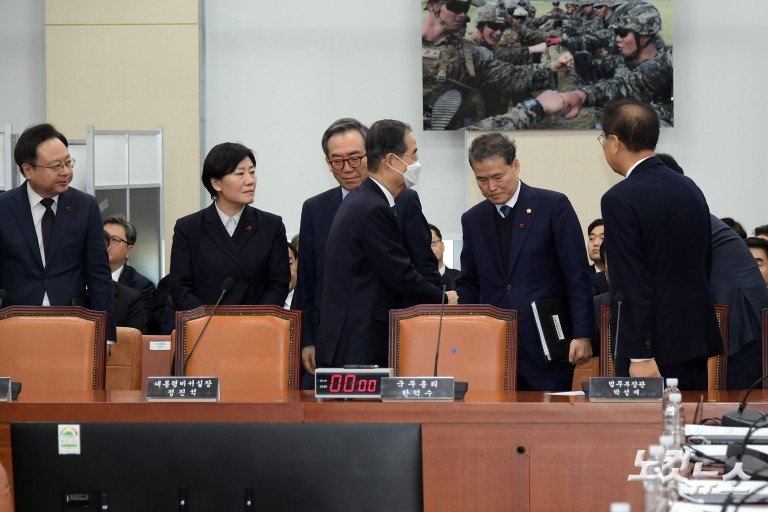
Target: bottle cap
{"points": [[657, 451], [620, 507], [672, 382]]}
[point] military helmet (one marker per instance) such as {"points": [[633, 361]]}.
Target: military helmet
{"points": [[640, 17], [492, 13], [512, 4], [582, 3], [520, 11], [476, 3]]}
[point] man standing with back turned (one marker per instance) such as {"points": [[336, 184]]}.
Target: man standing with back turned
{"points": [[51, 239], [520, 245], [659, 239]]}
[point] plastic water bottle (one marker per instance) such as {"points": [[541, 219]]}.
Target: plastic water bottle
{"points": [[620, 506], [672, 420], [671, 388], [654, 494]]}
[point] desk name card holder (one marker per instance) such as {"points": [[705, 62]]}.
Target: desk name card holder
{"points": [[417, 389], [625, 389], [5, 389], [183, 389]]}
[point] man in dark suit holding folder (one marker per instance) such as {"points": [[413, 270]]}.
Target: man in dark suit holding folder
{"points": [[658, 235], [520, 245]]}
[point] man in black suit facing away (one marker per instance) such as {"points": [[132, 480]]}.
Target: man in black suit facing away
{"points": [[367, 269], [658, 236], [343, 144]]}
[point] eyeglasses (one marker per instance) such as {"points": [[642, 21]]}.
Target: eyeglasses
{"points": [[496, 26], [457, 6], [519, 18], [602, 137], [622, 32], [413, 157], [58, 167], [354, 162], [116, 240]]}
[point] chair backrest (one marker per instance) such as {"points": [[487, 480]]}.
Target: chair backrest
{"points": [[607, 365], [765, 347], [717, 366], [53, 348], [157, 356], [124, 360], [6, 496], [478, 344], [250, 348]]}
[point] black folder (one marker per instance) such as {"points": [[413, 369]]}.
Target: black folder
{"points": [[553, 319]]}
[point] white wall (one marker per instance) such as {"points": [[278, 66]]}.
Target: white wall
{"points": [[22, 63]]}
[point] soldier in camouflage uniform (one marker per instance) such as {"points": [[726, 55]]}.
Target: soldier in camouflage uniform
{"points": [[520, 44], [453, 69], [491, 21], [647, 74], [525, 115]]}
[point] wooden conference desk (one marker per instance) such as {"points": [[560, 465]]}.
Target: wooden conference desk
{"points": [[492, 452]]}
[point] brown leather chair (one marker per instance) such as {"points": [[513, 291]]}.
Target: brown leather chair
{"points": [[717, 366], [250, 348], [478, 344], [53, 348], [6, 496], [124, 360], [607, 366]]}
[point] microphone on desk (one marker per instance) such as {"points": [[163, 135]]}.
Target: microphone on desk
{"points": [[619, 299], [740, 417], [228, 282], [459, 388]]}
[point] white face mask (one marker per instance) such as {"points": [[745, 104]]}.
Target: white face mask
{"points": [[411, 174]]}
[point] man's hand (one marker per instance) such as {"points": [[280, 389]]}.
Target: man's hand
{"points": [[580, 351], [563, 63], [453, 297], [573, 102], [644, 369], [551, 102], [308, 359], [537, 48]]}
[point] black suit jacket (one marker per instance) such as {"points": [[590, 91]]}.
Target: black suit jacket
{"points": [[317, 215], [449, 278], [659, 240], [203, 256], [133, 279], [129, 311], [78, 258], [547, 259], [367, 272]]}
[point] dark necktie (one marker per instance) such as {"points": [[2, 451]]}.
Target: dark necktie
{"points": [[46, 225], [505, 210]]}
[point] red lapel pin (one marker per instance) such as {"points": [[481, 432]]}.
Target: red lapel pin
{"points": [[248, 228], [68, 208], [522, 226]]}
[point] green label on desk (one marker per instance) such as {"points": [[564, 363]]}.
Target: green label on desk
{"points": [[420, 389], [626, 389], [5, 389], [183, 389]]}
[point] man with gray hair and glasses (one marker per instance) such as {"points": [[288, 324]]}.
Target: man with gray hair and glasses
{"points": [[343, 144]]}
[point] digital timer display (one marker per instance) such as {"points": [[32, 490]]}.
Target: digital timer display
{"points": [[349, 382]]}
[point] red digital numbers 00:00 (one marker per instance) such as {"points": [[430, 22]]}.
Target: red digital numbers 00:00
{"points": [[351, 384]]}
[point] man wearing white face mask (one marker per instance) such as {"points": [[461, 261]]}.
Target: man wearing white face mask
{"points": [[367, 269]]}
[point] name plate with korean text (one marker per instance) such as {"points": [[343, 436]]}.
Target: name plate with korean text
{"points": [[626, 389], [183, 389], [419, 389]]}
